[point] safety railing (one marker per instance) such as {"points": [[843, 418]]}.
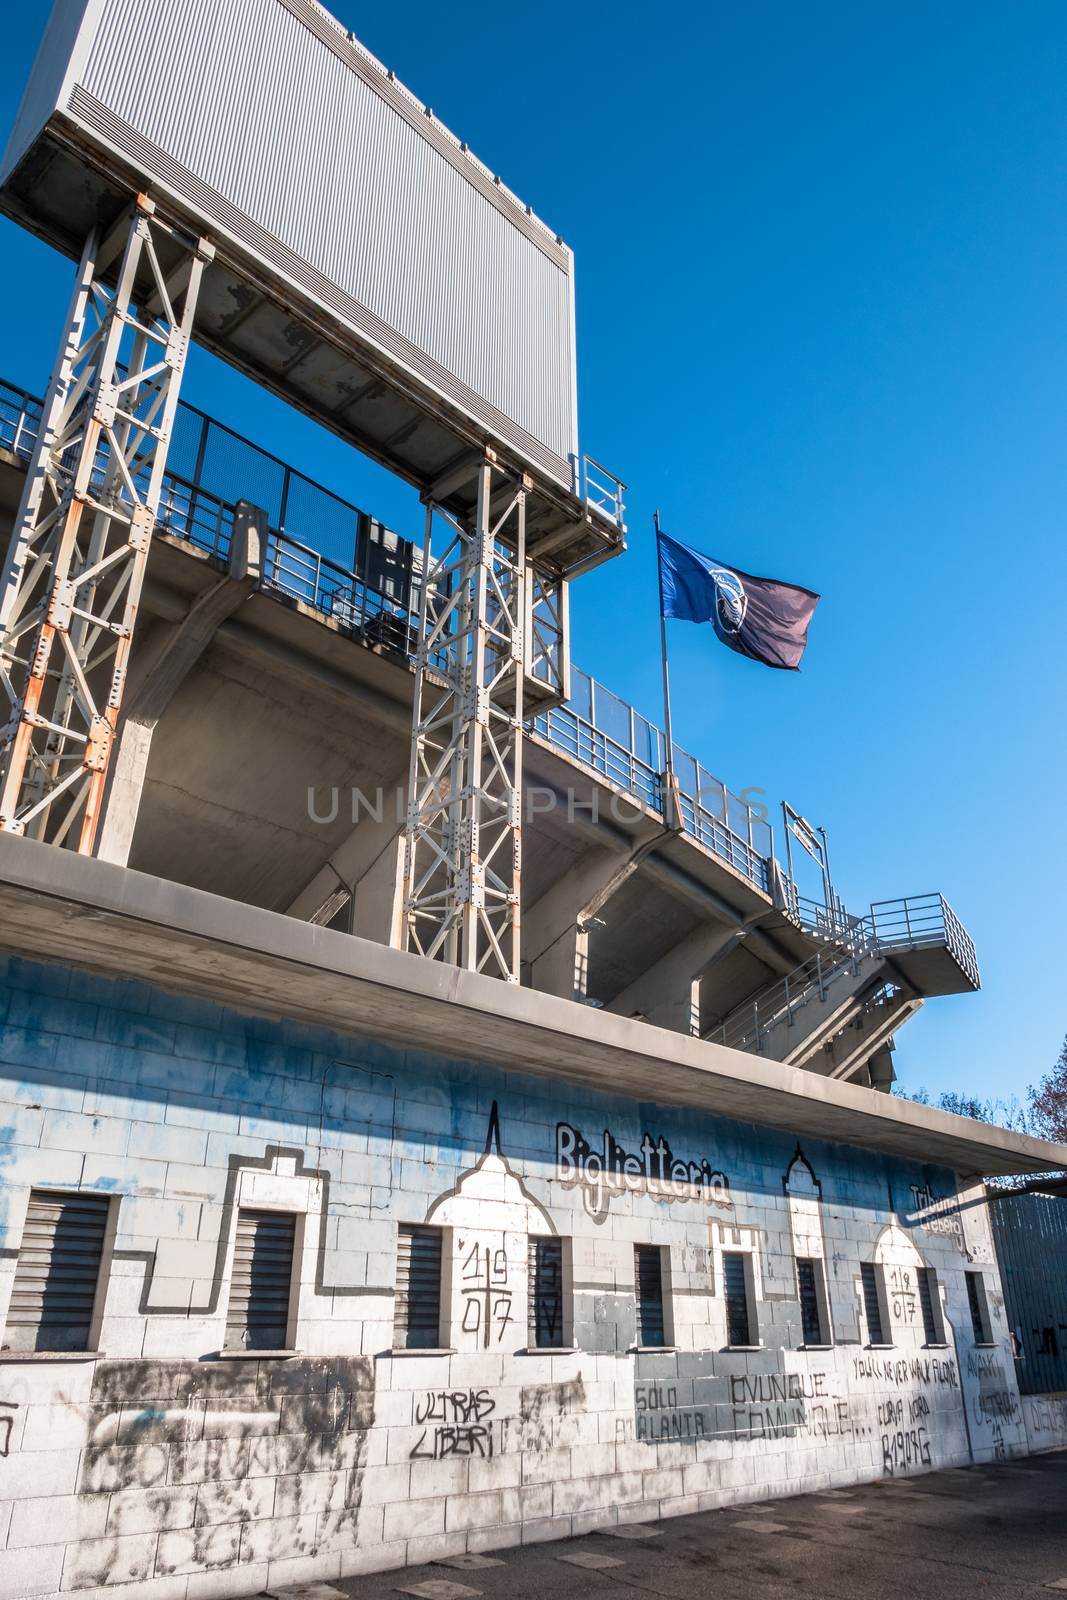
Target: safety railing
{"points": [[832, 923], [210, 467], [924, 920], [607, 735], [603, 491], [20, 417], [913, 923], [748, 1026]]}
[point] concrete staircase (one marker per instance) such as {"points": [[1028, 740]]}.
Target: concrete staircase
{"points": [[838, 1011]]}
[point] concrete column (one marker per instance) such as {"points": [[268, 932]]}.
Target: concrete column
{"points": [[370, 864], [180, 654], [668, 994]]}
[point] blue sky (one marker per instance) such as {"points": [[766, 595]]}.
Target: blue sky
{"points": [[821, 257]]}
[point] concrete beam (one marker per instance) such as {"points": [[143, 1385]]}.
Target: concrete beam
{"points": [[58, 906], [555, 931], [179, 656], [369, 864], [668, 993]]}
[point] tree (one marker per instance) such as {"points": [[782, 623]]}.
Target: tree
{"points": [[1011, 1114], [1048, 1102]]}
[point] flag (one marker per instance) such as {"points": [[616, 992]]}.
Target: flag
{"points": [[758, 617]]}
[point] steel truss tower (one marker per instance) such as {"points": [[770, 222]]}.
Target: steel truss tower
{"points": [[463, 839], [72, 580]]}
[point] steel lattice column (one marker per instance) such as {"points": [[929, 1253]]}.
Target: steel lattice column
{"points": [[463, 841], [72, 581]]}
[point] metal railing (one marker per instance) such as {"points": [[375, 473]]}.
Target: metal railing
{"points": [[614, 741], [603, 491], [747, 1027], [922, 920], [595, 729], [914, 923]]}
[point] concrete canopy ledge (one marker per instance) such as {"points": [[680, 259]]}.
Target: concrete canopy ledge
{"points": [[57, 906]]}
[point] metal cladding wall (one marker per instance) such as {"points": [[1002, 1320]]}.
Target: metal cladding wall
{"points": [[1030, 1233], [274, 127]]}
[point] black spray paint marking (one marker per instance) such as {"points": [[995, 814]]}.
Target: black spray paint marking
{"points": [[654, 1170]]}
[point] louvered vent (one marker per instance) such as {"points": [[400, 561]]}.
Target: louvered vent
{"points": [[546, 1291], [872, 1302], [927, 1291], [648, 1279], [417, 1310], [735, 1292], [261, 1281], [810, 1314], [57, 1273]]}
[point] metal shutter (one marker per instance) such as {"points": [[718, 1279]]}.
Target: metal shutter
{"points": [[872, 1303], [735, 1290], [545, 1300], [417, 1311], [976, 1297], [648, 1278], [57, 1272], [927, 1290], [261, 1280], [810, 1313]]}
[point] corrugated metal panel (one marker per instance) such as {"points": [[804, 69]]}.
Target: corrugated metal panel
{"points": [[57, 53], [57, 1272], [872, 1302], [270, 105], [261, 1281], [1030, 1231], [648, 1278], [545, 1296], [735, 1292], [417, 1309]]}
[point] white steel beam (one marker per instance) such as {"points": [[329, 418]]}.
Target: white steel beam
{"points": [[72, 580], [463, 836]]}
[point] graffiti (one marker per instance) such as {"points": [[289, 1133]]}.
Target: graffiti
{"points": [[654, 1170], [908, 1447], [487, 1300], [903, 1370], [996, 1400], [6, 1426], [937, 1214], [774, 1386], [462, 1425], [903, 1294], [233, 1435]]}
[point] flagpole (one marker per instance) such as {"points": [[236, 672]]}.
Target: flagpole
{"points": [[671, 814]]}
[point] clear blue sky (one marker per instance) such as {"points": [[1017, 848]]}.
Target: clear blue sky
{"points": [[821, 267]]}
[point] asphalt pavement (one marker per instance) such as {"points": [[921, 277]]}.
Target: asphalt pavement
{"points": [[996, 1531]]}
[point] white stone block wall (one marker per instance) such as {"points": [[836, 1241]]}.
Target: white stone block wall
{"points": [[158, 1468]]}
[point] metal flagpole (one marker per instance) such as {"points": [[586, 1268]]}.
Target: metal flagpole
{"points": [[672, 813]]}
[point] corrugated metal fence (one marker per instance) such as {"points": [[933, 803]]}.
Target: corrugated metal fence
{"points": [[1030, 1232]]}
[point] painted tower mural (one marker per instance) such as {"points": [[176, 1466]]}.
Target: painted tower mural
{"points": [[356, 1307]]}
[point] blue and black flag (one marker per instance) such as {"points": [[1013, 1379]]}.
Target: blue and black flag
{"points": [[758, 617]]}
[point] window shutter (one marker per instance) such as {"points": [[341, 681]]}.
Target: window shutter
{"points": [[927, 1291], [735, 1289], [979, 1312], [57, 1272], [871, 1302], [810, 1312], [417, 1310], [261, 1280], [545, 1296], [648, 1281]]}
